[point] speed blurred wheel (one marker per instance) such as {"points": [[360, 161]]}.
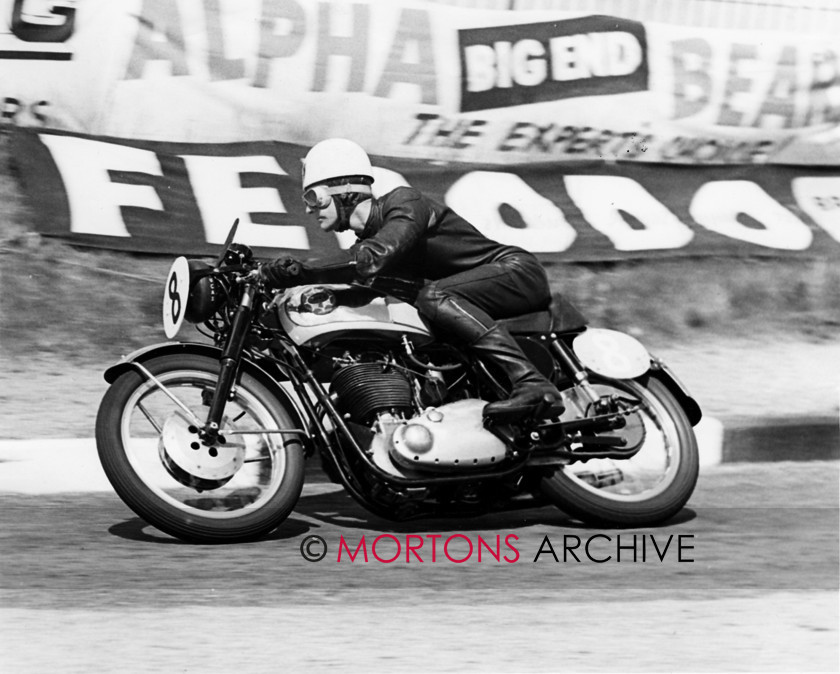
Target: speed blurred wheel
{"points": [[647, 488], [240, 488]]}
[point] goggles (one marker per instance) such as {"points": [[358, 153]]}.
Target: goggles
{"points": [[320, 196]]}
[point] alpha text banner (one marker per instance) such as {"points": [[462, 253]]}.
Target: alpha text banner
{"points": [[421, 81]]}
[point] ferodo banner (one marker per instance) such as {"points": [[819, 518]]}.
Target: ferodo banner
{"points": [[182, 198], [421, 81]]}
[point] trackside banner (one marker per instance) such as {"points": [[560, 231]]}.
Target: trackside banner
{"points": [[181, 198], [419, 80]]}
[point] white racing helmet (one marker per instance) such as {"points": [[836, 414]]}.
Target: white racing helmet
{"points": [[335, 158]]}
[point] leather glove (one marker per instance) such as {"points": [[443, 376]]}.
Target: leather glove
{"points": [[283, 272]]}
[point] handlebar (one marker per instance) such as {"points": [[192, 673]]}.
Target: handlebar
{"points": [[251, 276]]}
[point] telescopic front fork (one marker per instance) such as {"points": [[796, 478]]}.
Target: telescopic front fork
{"points": [[229, 362]]}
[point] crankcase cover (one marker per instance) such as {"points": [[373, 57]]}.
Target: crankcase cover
{"points": [[449, 438]]}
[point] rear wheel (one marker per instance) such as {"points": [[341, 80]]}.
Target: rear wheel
{"points": [[237, 489], [652, 485]]}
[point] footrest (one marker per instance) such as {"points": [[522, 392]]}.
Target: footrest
{"points": [[546, 408], [507, 415]]}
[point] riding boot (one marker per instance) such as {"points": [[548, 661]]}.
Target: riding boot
{"points": [[531, 393]]}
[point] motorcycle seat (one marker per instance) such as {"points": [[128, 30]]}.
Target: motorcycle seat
{"points": [[560, 316]]}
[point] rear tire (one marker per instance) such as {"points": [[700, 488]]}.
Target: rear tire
{"points": [[610, 508], [247, 513]]}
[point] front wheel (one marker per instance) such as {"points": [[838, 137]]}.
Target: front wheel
{"points": [[652, 485], [237, 489]]}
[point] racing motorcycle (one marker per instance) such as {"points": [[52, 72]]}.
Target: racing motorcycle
{"points": [[206, 440]]}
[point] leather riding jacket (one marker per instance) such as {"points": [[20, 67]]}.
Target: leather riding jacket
{"points": [[408, 235]]}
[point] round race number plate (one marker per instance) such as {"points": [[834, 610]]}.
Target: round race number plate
{"points": [[175, 296], [611, 353]]}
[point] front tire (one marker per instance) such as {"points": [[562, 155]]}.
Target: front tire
{"points": [[649, 488], [246, 506]]}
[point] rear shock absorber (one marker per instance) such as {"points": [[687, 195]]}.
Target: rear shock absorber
{"points": [[573, 369]]}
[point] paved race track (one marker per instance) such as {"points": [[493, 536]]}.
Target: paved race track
{"points": [[749, 581]]}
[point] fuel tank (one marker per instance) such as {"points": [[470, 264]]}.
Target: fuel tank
{"points": [[316, 315]]}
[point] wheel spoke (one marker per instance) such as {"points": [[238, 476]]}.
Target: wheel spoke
{"points": [[158, 427]]}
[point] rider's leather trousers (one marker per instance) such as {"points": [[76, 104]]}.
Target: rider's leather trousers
{"points": [[468, 305]]}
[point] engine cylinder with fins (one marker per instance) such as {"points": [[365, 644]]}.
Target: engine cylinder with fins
{"points": [[365, 389]]}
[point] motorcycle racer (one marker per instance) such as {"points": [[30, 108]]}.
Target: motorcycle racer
{"points": [[469, 282]]}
